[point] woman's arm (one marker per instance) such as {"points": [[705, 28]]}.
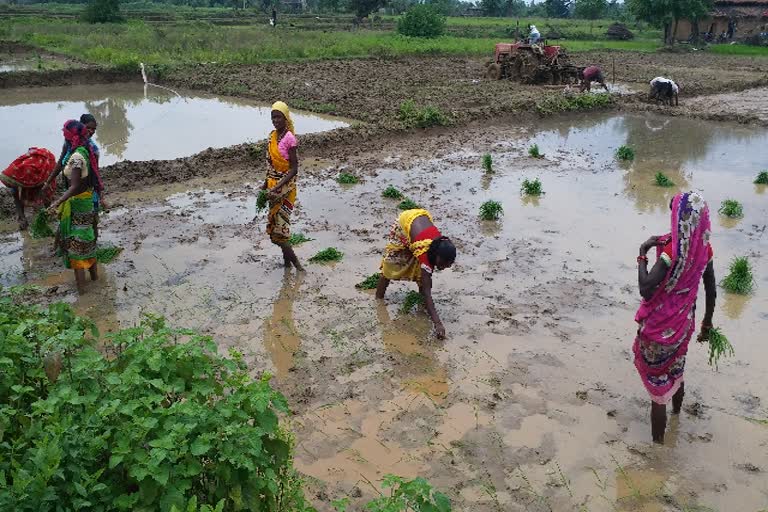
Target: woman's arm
{"points": [[293, 159], [59, 167], [649, 281], [425, 286], [710, 293], [73, 190]]}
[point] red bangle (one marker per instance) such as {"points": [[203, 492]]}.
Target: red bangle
{"points": [[642, 258]]}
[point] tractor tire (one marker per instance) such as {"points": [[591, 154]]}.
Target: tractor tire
{"points": [[493, 72], [487, 64]]}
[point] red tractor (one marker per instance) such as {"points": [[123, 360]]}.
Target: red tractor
{"points": [[532, 64]]}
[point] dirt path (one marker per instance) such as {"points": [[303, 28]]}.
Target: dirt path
{"points": [[532, 403]]}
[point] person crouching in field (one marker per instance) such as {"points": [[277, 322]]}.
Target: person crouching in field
{"points": [[664, 90], [415, 247], [592, 74]]}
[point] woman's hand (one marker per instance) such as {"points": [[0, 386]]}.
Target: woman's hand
{"points": [[704, 334], [440, 331], [103, 204], [272, 194], [53, 210], [651, 242]]}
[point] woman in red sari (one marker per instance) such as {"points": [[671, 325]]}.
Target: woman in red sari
{"points": [[27, 177]]}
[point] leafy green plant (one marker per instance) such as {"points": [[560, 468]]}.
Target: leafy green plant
{"points": [[534, 152], [346, 178], [718, 346], [262, 201], [298, 239], [328, 255], [731, 208], [413, 117], [488, 163], [40, 226], [412, 299], [370, 282], [103, 11], [407, 204], [415, 495], [491, 210], [532, 188], [558, 103], [762, 178], [161, 421], [421, 20], [739, 279], [392, 193], [662, 180], [107, 253], [625, 153]]}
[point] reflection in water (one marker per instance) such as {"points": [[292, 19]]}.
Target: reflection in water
{"points": [[530, 200], [138, 125], [734, 304], [640, 490], [281, 339], [416, 365]]}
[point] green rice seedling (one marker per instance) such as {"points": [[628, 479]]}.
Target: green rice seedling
{"points": [[488, 163], [346, 178], [534, 152], [718, 346], [262, 201], [739, 279], [370, 282], [412, 299], [625, 153], [762, 178], [392, 193], [107, 254], [40, 227], [407, 204], [731, 208], [298, 239], [328, 255], [491, 210], [532, 188], [662, 180]]}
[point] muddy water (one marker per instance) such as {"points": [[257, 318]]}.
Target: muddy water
{"points": [[138, 123], [533, 402]]}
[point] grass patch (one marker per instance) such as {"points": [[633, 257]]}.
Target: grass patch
{"points": [[346, 178], [370, 282], [532, 188], [719, 346], [488, 163], [392, 193], [739, 279], [762, 178], [491, 210], [107, 254], [40, 227], [414, 117], [557, 103], [298, 239], [407, 204], [731, 208], [412, 299], [662, 180], [534, 151], [625, 154], [328, 255], [262, 201]]}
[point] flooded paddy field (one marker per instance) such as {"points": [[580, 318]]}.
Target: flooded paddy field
{"points": [[137, 122], [532, 403]]}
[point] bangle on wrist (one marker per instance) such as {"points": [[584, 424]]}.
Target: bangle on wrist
{"points": [[642, 258]]}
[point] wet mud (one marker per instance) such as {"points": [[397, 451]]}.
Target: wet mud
{"points": [[532, 403]]}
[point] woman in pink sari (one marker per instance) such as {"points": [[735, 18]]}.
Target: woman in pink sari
{"points": [[666, 316]]}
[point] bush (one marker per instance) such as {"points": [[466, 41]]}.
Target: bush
{"points": [[421, 20], [413, 117], [625, 153], [534, 152], [731, 208], [662, 180], [103, 11], [160, 422], [762, 178], [739, 279], [532, 188], [488, 163], [491, 210]]}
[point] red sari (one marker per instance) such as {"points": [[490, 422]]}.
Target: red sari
{"points": [[27, 174]]}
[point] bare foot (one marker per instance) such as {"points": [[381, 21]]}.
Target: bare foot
{"points": [[23, 223]]}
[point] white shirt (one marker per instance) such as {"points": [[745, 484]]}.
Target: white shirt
{"points": [[661, 79]]}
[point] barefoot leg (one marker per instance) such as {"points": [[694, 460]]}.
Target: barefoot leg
{"points": [[658, 422], [677, 399], [381, 288], [94, 271], [80, 280], [290, 257]]}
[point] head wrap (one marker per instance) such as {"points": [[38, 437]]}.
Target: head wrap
{"points": [[283, 109], [75, 133]]}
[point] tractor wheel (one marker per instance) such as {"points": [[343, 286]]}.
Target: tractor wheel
{"points": [[493, 72], [487, 64]]}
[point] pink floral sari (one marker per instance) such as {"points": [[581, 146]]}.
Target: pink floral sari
{"points": [[667, 320]]}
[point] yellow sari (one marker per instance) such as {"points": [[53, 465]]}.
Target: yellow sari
{"points": [[400, 262], [281, 208]]}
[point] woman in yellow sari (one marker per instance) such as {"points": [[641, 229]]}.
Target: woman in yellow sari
{"points": [[281, 181], [415, 247]]}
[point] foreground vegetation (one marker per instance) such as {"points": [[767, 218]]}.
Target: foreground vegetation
{"points": [[150, 418]]}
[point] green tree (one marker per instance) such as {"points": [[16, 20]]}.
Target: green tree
{"points": [[362, 8], [492, 7], [590, 9], [558, 8], [515, 7], [103, 11], [667, 13], [421, 21]]}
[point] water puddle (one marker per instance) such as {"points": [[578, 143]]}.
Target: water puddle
{"points": [[137, 123]]}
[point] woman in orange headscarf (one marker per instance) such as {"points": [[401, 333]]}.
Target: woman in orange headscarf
{"points": [[281, 181]]}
